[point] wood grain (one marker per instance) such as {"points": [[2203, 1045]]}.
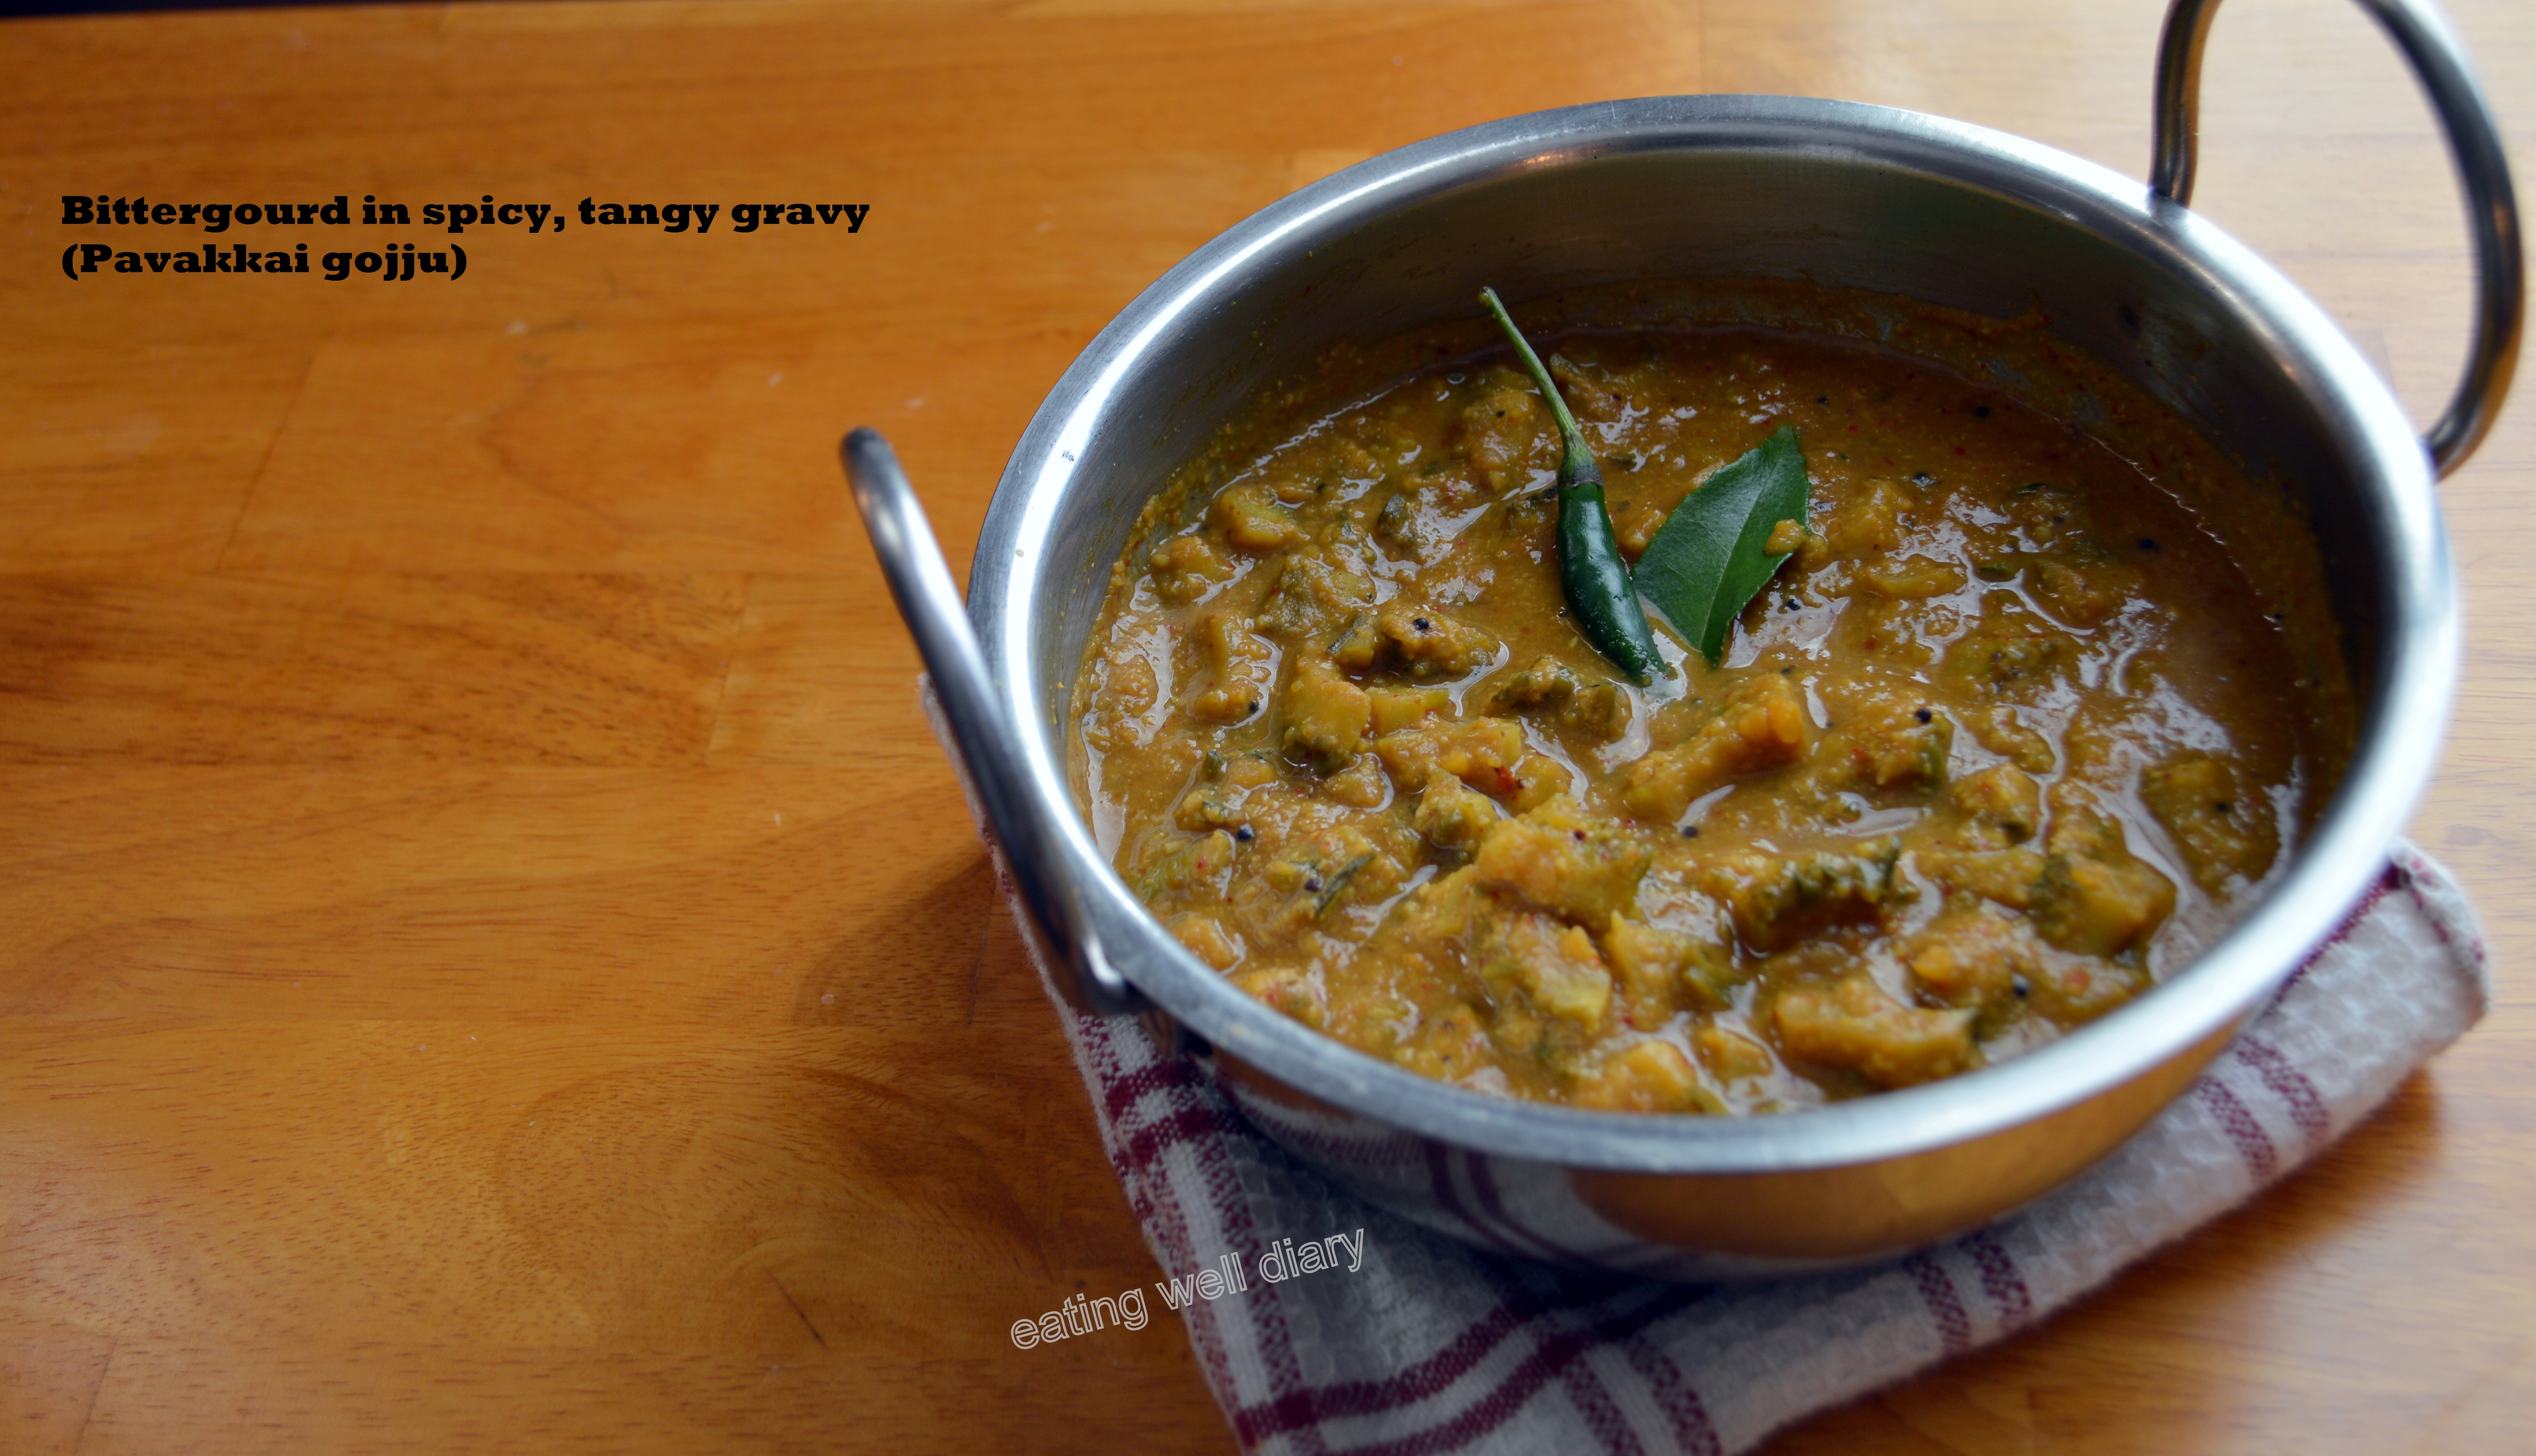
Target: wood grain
{"points": [[490, 958], [266, 668]]}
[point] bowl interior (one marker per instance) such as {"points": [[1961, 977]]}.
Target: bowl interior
{"points": [[1730, 188]]}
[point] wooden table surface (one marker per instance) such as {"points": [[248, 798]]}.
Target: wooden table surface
{"points": [[489, 957]]}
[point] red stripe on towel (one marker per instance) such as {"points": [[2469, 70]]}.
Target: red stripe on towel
{"points": [[2253, 1143], [1603, 1419], [1938, 1291], [2001, 1279], [2287, 1083]]}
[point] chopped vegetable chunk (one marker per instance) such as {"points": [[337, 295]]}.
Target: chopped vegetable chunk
{"points": [[1856, 1027]]}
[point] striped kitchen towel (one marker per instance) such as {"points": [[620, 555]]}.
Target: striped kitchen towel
{"points": [[1382, 1337], [1396, 1340]]}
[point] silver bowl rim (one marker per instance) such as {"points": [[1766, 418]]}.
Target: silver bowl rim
{"points": [[2402, 726]]}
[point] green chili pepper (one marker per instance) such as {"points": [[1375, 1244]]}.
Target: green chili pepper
{"points": [[1590, 569]]}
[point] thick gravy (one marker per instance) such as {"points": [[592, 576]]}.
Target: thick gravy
{"points": [[2005, 740]]}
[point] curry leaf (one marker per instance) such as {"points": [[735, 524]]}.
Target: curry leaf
{"points": [[1713, 552]]}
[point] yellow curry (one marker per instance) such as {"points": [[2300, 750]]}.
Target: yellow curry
{"points": [[2003, 741]]}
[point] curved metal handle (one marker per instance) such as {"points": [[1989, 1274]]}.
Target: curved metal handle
{"points": [[2437, 59], [935, 617]]}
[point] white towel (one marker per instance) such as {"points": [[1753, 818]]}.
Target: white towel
{"points": [[1431, 1346]]}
